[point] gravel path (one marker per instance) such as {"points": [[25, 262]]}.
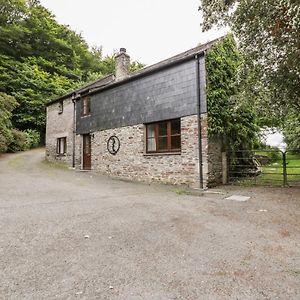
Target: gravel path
{"points": [[66, 234]]}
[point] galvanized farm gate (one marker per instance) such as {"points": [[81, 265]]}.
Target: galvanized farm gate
{"points": [[272, 167]]}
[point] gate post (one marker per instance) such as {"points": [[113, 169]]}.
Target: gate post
{"points": [[285, 183], [224, 168]]}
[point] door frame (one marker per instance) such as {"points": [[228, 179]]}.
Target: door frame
{"points": [[83, 167]]}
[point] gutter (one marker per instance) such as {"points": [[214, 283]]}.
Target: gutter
{"points": [[199, 120], [74, 129]]}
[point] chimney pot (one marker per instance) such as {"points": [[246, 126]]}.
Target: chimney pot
{"points": [[122, 50]]}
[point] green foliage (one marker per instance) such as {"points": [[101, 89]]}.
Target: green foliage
{"points": [[41, 60], [19, 142], [7, 104], [292, 131], [33, 138], [229, 116], [269, 40]]}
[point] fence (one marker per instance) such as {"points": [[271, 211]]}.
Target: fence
{"points": [[264, 167]]}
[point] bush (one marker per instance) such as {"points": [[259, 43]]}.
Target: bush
{"points": [[32, 138], [19, 142]]}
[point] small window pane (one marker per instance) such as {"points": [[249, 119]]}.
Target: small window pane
{"points": [[151, 131], [60, 107], [163, 129], [163, 143], [151, 144], [61, 147], [88, 99], [175, 142], [175, 126]]}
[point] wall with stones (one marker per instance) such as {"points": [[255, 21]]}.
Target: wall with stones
{"points": [[131, 162], [57, 126], [214, 159]]}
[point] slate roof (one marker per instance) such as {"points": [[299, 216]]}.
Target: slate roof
{"points": [[110, 81], [97, 83]]}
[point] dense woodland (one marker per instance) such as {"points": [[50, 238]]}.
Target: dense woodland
{"points": [[39, 60]]}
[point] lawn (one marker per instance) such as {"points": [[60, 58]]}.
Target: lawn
{"points": [[272, 169]]}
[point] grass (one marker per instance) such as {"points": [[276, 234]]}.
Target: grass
{"points": [[16, 162], [46, 164], [272, 172]]}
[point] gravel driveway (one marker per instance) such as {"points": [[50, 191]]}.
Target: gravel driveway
{"points": [[67, 234]]}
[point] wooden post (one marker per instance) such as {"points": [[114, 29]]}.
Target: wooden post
{"points": [[224, 168]]}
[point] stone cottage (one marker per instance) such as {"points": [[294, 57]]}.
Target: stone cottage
{"points": [[150, 125]]}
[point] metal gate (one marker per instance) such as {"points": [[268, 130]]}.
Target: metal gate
{"points": [[272, 167]]}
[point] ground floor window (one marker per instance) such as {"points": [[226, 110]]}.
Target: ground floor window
{"points": [[163, 136], [61, 145]]}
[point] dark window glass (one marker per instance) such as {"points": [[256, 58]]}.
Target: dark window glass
{"points": [[61, 145], [85, 106], [163, 143], [175, 127], [175, 142], [163, 129], [60, 107]]}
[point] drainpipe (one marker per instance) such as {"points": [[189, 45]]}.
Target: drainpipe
{"points": [[74, 129], [199, 121]]}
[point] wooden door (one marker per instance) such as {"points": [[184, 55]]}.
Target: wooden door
{"points": [[87, 164]]}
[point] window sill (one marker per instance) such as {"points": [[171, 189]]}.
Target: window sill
{"points": [[61, 154], [84, 116], [162, 153]]}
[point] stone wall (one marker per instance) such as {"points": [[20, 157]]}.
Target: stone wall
{"points": [[131, 162], [59, 125], [214, 161]]}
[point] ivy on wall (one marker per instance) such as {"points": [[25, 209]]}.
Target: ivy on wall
{"points": [[230, 117]]}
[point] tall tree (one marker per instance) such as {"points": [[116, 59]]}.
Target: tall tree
{"points": [[41, 59], [268, 34]]}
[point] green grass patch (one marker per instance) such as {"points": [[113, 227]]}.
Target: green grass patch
{"points": [[16, 162], [272, 171], [46, 164]]}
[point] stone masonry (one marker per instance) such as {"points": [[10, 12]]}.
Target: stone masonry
{"points": [[59, 125], [133, 163]]}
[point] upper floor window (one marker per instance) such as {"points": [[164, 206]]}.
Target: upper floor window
{"points": [[60, 107], [163, 137], [85, 106]]}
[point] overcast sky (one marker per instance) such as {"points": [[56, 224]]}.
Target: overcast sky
{"points": [[150, 30]]}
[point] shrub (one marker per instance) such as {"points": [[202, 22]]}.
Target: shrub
{"points": [[19, 142], [32, 138]]}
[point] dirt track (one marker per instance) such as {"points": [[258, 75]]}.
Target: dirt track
{"points": [[77, 235]]}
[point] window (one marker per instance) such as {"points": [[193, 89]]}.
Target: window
{"points": [[60, 107], [61, 145], [163, 137], [85, 106]]}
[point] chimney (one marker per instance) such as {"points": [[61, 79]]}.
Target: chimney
{"points": [[122, 64]]}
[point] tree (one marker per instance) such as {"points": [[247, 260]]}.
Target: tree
{"points": [[233, 120], [7, 105], [268, 34], [41, 60]]}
